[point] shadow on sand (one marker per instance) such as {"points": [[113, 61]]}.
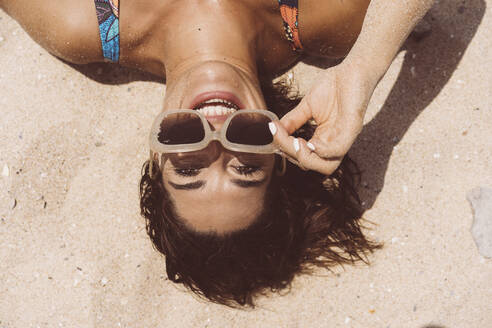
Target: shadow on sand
{"points": [[430, 60], [113, 74]]}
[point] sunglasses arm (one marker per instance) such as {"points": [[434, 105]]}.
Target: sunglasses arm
{"points": [[287, 156]]}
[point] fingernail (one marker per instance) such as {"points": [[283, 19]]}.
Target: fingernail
{"points": [[296, 145], [311, 146], [273, 128]]}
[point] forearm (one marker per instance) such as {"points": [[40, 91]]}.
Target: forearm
{"points": [[385, 28]]}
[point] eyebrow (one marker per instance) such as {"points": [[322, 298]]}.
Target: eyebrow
{"points": [[200, 184], [248, 183], [188, 186]]}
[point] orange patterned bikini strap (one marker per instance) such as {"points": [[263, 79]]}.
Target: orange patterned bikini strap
{"points": [[290, 12]]}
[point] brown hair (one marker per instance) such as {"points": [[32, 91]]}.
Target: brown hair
{"points": [[308, 220]]}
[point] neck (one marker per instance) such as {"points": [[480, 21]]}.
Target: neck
{"points": [[214, 32]]}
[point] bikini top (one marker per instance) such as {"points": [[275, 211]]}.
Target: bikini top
{"points": [[289, 10], [109, 30]]}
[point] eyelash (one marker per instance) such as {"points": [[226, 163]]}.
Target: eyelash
{"points": [[246, 169], [187, 172]]}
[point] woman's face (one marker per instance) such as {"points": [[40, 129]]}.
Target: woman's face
{"points": [[215, 189]]}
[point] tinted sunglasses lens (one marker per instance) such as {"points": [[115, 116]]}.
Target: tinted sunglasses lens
{"points": [[249, 129], [181, 128]]}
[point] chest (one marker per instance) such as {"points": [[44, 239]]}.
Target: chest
{"points": [[325, 28]]}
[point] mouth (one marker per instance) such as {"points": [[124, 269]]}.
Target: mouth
{"points": [[216, 106]]}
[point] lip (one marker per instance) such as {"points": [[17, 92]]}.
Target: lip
{"points": [[216, 94]]}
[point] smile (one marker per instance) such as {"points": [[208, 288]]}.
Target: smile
{"points": [[216, 106]]}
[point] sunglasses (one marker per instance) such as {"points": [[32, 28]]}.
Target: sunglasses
{"points": [[186, 130]]}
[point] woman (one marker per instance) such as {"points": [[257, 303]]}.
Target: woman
{"points": [[229, 224]]}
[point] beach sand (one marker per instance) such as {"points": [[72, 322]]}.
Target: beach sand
{"points": [[73, 248]]}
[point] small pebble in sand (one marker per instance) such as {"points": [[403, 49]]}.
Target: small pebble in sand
{"points": [[76, 282], [347, 320], [1, 39], [13, 204], [394, 240], [437, 155], [405, 189], [456, 156], [104, 281], [480, 199], [412, 71], [5, 170]]}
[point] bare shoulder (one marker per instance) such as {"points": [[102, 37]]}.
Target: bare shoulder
{"points": [[66, 28], [330, 27]]}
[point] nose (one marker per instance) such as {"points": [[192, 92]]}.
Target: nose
{"points": [[216, 124]]}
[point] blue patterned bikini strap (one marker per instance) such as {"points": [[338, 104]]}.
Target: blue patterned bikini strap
{"points": [[109, 29]]}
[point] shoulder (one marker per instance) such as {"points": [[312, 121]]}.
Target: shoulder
{"points": [[66, 28], [76, 32]]}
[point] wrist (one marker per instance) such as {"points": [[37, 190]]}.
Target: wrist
{"points": [[371, 71]]}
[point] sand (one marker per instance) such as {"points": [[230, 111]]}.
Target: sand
{"points": [[73, 248]]}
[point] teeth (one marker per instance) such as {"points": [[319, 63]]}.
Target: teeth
{"points": [[216, 102], [216, 110], [221, 101]]}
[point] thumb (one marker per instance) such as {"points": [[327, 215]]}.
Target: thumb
{"points": [[296, 118]]}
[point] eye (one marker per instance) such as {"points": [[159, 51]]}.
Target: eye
{"points": [[247, 169], [187, 172]]}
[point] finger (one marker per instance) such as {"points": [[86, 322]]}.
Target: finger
{"points": [[298, 149], [335, 146], [297, 117], [333, 150], [310, 160], [283, 140]]}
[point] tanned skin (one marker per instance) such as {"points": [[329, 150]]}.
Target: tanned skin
{"points": [[68, 28], [211, 46]]}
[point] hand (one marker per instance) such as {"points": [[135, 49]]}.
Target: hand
{"points": [[337, 103]]}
